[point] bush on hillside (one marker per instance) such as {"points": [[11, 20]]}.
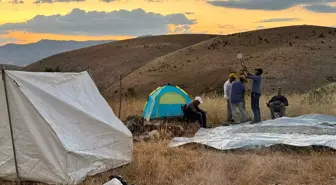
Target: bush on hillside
{"points": [[131, 92], [50, 69]]}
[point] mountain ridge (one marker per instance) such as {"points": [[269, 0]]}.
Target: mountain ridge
{"points": [[24, 54]]}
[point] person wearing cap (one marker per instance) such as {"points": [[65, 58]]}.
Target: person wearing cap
{"points": [[227, 91], [236, 99], [200, 114], [255, 93]]}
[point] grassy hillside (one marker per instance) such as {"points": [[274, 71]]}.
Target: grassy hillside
{"points": [[108, 61], [296, 58]]}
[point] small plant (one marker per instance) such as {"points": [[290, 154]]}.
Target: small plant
{"points": [[57, 69], [131, 92], [50, 69]]}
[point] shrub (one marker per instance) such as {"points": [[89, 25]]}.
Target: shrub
{"points": [[131, 92], [50, 69]]}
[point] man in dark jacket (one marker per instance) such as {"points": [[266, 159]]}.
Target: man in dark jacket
{"points": [[199, 114], [278, 104], [256, 92]]}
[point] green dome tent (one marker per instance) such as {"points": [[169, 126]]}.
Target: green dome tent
{"points": [[165, 102]]}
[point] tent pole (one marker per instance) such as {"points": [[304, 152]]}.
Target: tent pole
{"points": [[10, 124], [120, 94]]}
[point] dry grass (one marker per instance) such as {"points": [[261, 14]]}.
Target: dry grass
{"points": [[215, 105], [156, 164]]}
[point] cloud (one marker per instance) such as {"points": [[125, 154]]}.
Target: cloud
{"points": [[55, 1], [122, 22], [16, 2], [260, 27], [155, 1], [5, 39], [108, 1], [189, 13], [226, 26], [182, 29], [278, 20], [265, 4], [321, 8]]}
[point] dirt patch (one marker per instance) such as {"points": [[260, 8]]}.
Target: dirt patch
{"points": [[159, 129]]}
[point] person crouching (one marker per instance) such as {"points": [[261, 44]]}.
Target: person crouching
{"points": [[199, 114]]}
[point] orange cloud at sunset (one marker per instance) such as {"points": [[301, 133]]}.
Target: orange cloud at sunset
{"points": [[94, 19]]}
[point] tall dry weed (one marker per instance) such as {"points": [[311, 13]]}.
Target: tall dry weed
{"points": [[215, 105]]}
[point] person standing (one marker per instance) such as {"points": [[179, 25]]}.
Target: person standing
{"points": [[236, 99], [244, 81], [227, 91], [255, 93]]}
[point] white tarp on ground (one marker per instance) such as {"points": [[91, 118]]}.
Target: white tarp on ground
{"points": [[306, 130], [63, 128]]}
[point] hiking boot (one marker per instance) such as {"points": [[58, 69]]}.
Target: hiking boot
{"points": [[254, 122]]}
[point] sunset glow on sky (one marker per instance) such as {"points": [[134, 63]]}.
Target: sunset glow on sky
{"points": [[26, 21]]}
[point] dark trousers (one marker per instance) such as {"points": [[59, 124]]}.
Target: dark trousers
{"points": [[255, 97], [244, 102], [229, 112], [281, 109], [201, 117]]}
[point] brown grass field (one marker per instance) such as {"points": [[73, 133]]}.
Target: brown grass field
{"points": [[156, 164]]}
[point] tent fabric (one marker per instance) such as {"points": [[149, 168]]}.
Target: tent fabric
{"points": [[63, 128], [165, 102], [302, 131]]}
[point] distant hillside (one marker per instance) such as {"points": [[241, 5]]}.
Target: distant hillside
{"points": [[108, 61], [10, 67], [296, 58], [23, 54]]}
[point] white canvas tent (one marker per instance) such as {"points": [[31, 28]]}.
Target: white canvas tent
{"points": [[62, 128]]}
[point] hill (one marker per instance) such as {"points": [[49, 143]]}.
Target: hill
{"points": [[10, 67], [23, 54], [296, 58], [108, 61]]}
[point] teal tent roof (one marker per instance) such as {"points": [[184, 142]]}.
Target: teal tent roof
{"points": [[165, 102]]}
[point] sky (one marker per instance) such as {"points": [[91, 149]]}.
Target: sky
{"points": [[27, 21]]}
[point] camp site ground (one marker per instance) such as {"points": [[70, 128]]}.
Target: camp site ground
{"points": [[60, 130]]}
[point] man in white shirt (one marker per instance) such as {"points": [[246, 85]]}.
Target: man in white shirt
{"points": [[227, 91]]}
